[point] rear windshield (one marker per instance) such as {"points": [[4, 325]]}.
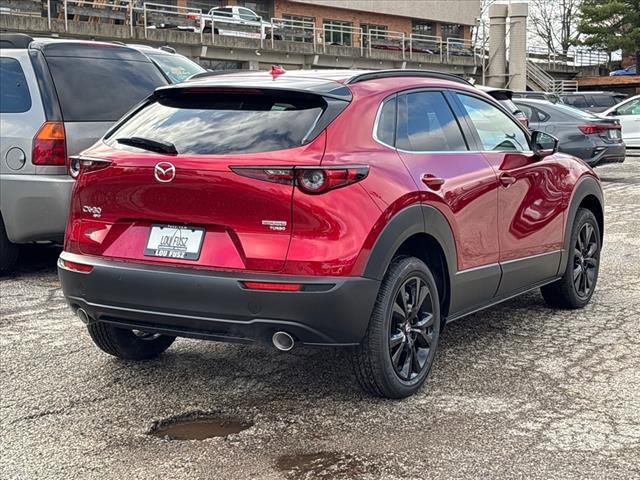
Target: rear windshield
{"points": [[222, 123], [99, 89], [575, 113]]}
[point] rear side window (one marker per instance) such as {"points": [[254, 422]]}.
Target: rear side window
{"points": [[426, 124], [101, 90], [386, 131], [14, 92], [602, 101], [226, 122], [497, 131], [577, 101]]}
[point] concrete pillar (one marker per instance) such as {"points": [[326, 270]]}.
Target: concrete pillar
{"points": [[518, 13], [497, 45]]}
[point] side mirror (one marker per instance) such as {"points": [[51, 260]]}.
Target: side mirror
{"points": [[543, 144]]}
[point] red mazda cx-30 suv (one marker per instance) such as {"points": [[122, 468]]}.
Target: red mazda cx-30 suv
{"points": [[347, 208]]}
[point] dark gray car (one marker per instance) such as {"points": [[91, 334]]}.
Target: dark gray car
{"points": [[581, 134]]}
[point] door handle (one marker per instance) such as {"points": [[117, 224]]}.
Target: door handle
{"points": [[507, 179], [432, 182]]}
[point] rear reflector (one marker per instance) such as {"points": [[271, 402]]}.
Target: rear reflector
{"points": [[592, 129], [78, 267], [278, 287], [49, 146]]}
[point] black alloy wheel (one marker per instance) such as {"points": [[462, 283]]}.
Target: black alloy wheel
{"points": [[585, 261], [578, 282], [411, 329]]}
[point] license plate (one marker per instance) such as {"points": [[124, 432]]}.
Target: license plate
{"points": [[614, 134], [174, 241]]}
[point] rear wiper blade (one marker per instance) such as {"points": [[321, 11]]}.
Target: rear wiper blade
{"points": [[147, 144]]}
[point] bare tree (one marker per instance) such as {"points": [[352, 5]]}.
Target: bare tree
{"points": [[555, 22]]}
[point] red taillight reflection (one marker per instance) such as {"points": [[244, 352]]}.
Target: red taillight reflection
{"points": [[592, 129], [277, 287], [78, 267], [49, 145]]}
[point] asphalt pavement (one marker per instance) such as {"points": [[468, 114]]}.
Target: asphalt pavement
{"points": [[517, 391]]}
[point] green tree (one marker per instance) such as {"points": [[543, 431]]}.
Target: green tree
{"points": [[611, 25]]}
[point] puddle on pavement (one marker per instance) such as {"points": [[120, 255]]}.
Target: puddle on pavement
{"points": [[198, 428], [323, 465]]}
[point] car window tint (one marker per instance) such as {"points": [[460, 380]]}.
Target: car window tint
{"points": [[101, 90], [246, 14], [496, 130], [176, 67], [630, 108], [529, 112], [578, 101], [14, 92], [575, 113], [542, 115], [602, 101], [426, 124], [225, 123], [387, 122]]}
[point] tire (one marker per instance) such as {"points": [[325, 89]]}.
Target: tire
{"points": [[8, 251], [584, 261], [388, 334], [126, 344]]}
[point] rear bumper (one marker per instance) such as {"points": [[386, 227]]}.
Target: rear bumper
{"points": [[605, 153], [214, 305], [35, 207]]}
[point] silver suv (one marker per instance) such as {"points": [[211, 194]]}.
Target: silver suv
{"points": [[57, 97]]}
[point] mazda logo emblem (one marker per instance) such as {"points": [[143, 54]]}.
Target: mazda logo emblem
{"points": [[164, 172]]}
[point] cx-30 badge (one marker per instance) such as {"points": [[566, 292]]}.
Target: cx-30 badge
{"points": [[164, 172]]}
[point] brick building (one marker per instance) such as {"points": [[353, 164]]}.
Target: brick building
{"points": [[445, 18]]}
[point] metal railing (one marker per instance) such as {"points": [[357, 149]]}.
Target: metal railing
{"points": [[292, 30], [354, 34], [575, 57], [97, 11], [377, 39], [460, 47], [429, 44], [537, 77], [187, 18]]}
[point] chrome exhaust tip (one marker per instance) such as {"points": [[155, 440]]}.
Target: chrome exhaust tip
{"points": [[83, 316], [283, 341]]}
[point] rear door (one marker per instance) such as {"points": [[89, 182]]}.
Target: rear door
{"points": [[96, 85], [228, 177]]}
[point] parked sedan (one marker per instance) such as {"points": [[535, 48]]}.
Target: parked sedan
{"points": [[628, 114], [584, 135]]}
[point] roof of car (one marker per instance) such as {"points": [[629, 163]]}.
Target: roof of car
{"points": [[591, 92], [533, 100], [65, 47], [330, 83]]}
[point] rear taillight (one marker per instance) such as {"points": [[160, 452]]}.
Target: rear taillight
{"points": [[83, 164], [309, 180], [591, 129], [49, 145]]}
